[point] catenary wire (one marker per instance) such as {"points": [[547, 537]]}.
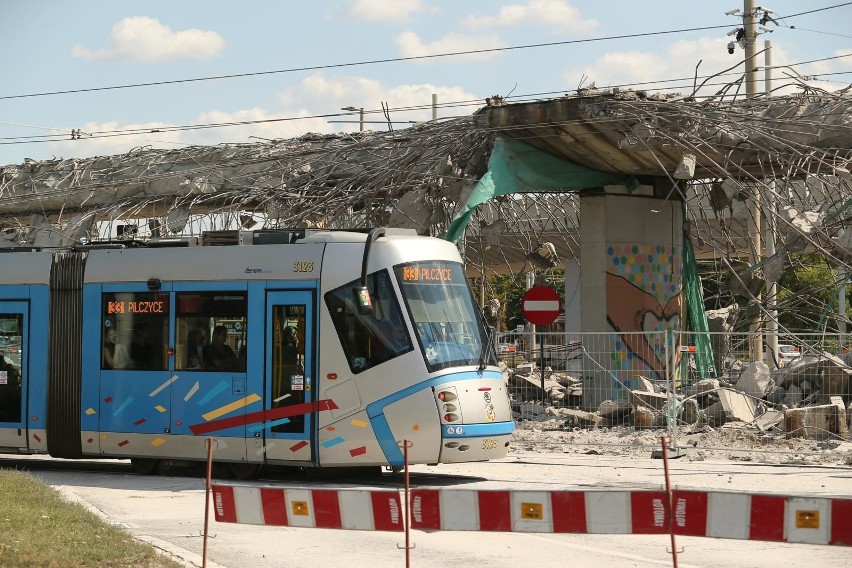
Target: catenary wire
{"points": [[359, 63]]}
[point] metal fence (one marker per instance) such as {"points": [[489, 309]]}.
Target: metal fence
{"points": [[664, 379]]}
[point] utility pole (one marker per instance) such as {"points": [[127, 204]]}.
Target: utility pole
{"points": [[772, 292], [750, 29]]}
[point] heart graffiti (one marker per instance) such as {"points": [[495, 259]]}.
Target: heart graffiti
{"points": [[636, 315]]}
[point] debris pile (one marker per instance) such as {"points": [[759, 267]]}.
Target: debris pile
{"points": [[810, 398]]}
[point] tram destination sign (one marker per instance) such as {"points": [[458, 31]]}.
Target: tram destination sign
{"points": [[540, 305]]}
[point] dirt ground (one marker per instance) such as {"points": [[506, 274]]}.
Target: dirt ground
{"points": [[731, 443]]}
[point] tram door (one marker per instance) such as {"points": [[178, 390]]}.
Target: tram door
{"points": [[290, 379], [13, 373]]}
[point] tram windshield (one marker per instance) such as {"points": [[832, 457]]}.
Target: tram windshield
{"points": [[369, 339], [445, 318]]}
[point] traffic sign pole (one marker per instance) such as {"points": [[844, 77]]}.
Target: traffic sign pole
{"points": [[541, 359], [541, 306]]}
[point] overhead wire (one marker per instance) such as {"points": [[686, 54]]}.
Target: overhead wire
{"points": [[61, 137], [379, 166], [125, 132], [12, 140], [360, 63], [815, 10]]}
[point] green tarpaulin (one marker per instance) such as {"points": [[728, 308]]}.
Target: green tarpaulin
{"points": [[516, 167]]}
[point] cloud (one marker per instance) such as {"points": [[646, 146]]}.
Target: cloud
{"points": [[556, 14], [387, 10], [409, 44], [845, 61], [655, 70], [98, 138], [294, 115], [672, 70], [408, 102], [146, 39]]}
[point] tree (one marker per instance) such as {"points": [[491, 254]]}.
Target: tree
{"points": [[509, 289]]}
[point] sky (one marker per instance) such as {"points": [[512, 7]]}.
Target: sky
{"points": [[169, 74]]}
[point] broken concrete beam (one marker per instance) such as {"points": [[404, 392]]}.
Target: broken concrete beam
{"points": [[755, 380], [823, 422], [532, 384], [733, 406], [525, 368], [704, 386], [841, 418], [769, 419], [737, 405], [654, 400], [799, 370], [531, 411], [614, 409], [580, 418], [566, 380], [793, 396], [835, 381]]}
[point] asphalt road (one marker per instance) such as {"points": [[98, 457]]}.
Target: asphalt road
{"points": [[169, 512]]}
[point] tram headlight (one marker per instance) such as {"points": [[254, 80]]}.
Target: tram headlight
{"points": [[447, 396]]}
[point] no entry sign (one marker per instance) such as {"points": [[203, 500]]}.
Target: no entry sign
{"points": [[540, 305]]}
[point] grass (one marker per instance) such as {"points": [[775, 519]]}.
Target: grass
{"points": [[40, 529]]}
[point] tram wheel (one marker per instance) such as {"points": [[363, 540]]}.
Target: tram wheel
{"points": [[240, 470], [144, 466]]}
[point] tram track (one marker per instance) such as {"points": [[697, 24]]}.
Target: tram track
{"points": [[282, 475]]}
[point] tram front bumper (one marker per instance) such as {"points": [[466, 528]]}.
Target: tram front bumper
{"points": [[475, 442]]}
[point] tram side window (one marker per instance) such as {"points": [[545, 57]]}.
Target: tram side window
{"points": [[135, 331], [369, 339], [210, 331], [11, 344]]}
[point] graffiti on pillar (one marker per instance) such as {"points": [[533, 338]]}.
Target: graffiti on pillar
{"points": [[644, 299]]}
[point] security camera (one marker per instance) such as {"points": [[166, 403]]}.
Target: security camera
{"points": [[732, 12], [731, 46], [733, 32]]}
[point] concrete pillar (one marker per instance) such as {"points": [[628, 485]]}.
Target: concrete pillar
{"points": [[573, 296], [631, 249], [593, 260]]}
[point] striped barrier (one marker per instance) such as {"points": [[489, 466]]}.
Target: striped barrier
{"points": [[808, 520], [351, 509], [696, 513]]}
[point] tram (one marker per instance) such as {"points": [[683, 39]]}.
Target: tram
{"points": [[288, 348]]}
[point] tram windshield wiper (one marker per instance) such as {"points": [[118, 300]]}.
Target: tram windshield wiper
{"points": [[491, 333]]}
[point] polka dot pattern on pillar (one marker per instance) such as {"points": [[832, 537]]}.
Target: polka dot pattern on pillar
{"points": [[654, 268]]}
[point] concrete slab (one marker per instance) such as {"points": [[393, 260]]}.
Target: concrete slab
{"points": [[654, 400], [824, 422], [769, 419], [737, 406], [755, 380]]}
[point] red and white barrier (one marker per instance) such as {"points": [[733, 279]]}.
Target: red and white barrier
{"points": [[352, 509], [810, 520], [695, 513]]}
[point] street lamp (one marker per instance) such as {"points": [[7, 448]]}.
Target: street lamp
{"points": [[361, 114]]}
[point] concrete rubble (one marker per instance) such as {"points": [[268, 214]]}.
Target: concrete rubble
{"points": [[810, 398]]}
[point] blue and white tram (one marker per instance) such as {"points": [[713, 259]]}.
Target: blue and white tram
{"points": [[325, 349]]}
